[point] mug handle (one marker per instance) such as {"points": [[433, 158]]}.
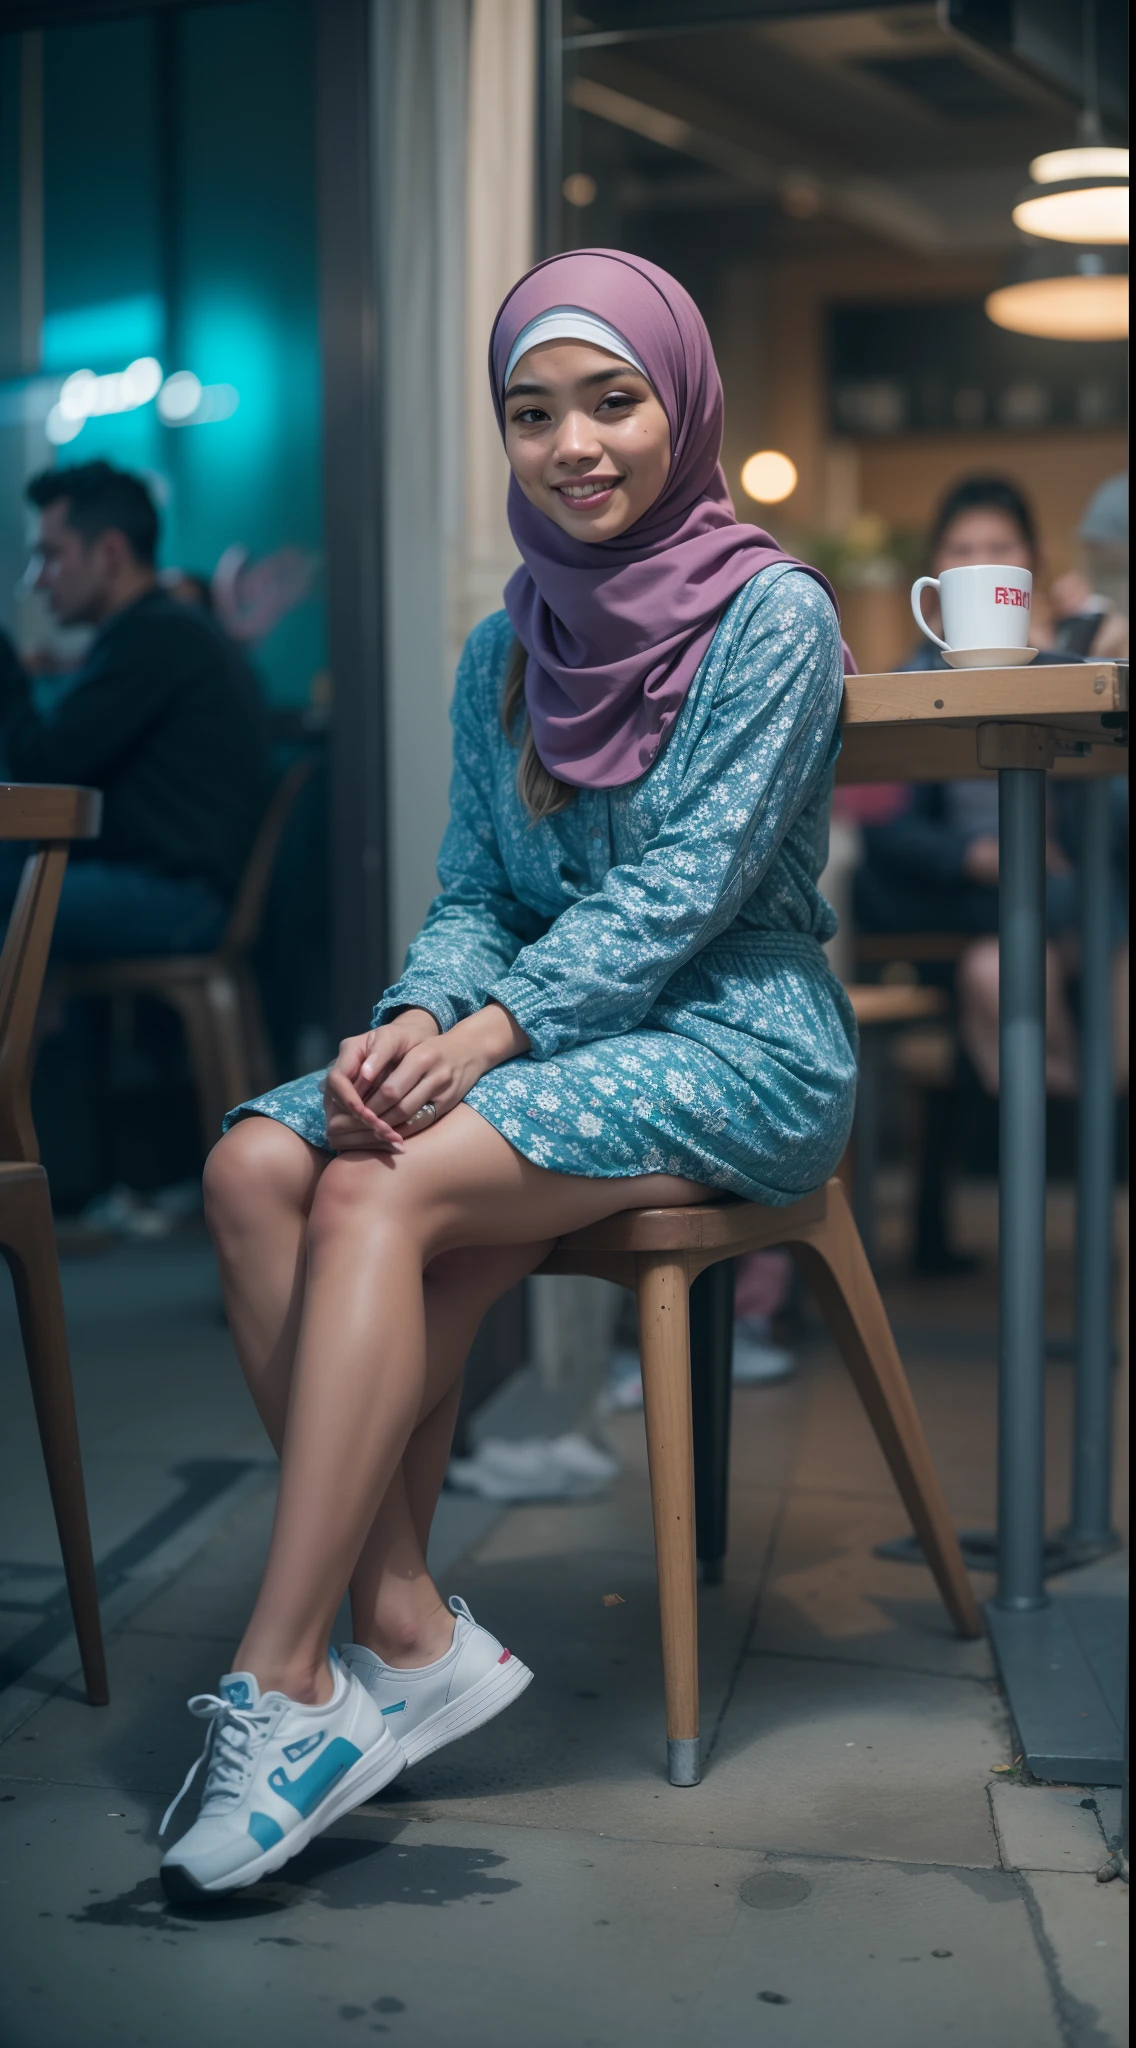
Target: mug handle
{"points": [[917, 589]]}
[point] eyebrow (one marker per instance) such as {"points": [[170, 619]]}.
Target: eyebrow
{"points": [[593, 377]]}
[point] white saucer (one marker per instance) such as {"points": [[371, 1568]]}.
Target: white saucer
{"points": [[988, 657]]}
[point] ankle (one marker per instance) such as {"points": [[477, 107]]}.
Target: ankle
{"points": [[408, 1641], [309, 1682]]}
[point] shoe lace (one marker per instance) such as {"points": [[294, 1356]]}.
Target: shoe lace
{"points": [[232, 1742]]}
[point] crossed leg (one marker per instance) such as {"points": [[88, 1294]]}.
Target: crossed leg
{"points": [[355, 1288]]}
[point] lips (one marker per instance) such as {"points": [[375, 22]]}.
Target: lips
{"points": [[585, 494]]}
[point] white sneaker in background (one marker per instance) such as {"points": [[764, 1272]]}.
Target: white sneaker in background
{"points": [[537, 1468], [757, 1362], [277, 1774], [436, 1703]]}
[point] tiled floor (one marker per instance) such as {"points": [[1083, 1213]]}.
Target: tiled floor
{"points": [[840, 1875]]}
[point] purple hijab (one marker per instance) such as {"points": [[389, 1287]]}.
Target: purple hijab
{"points": [[615, 630]]}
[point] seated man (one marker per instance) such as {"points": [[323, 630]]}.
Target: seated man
{"points": [[164, 717]]}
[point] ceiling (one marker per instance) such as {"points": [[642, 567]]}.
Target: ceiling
{"points": [[883, 122]]}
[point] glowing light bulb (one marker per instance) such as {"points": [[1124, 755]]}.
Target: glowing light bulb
{"points": [[769, 476]]}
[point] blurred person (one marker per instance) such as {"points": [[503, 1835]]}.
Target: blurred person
{"points": [[620, 997], [934, 865], [163, 716], [188, 586], [1092, 607]]}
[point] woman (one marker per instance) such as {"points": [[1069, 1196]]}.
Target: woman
{"points": [[619, 998]]}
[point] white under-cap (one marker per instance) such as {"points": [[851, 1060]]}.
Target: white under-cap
{"points": [[570, 323]]}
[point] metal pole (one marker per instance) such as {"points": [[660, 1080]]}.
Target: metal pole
{"points": [[1021, 1195], [1095, 1168]]}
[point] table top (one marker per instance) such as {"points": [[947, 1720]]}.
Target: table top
{"points": [[922, 726], [49, 810]]}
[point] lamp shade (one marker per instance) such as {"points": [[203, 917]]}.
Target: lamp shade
{"points": [[1060, 294], [1077, 195]]}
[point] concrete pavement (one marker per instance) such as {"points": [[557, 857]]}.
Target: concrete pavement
{"points": [[854, 1867]]}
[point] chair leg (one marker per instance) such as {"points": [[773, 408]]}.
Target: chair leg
{"points": [[223, 999], [711, 1378], [209, 1077], [27, 1240], [259, 1056], [832, 1259], [664, 1350]]}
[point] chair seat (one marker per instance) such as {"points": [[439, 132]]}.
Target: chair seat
{"points": [[885, 1002], [13, 1171], [728, 1228], [148, 970]]}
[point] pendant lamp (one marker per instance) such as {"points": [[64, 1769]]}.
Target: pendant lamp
{"points": [[1077, 195], [1062, 294]]}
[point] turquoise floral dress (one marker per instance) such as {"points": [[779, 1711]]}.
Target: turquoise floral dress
{"points": [[660, 943]]}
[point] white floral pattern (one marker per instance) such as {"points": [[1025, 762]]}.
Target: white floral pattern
{"points": [[660, 943]]}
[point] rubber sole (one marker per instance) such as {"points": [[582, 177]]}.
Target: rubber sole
{"points": [[491, 1695], [361, 1782]]}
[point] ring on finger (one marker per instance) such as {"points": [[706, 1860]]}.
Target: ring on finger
{"points": [[429, 1111]]}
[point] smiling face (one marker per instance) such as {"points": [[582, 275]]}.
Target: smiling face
{"points": [[586, 437]]}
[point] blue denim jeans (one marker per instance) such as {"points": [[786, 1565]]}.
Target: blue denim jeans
{"points": [[109, 911]]}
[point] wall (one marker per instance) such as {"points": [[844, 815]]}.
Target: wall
{"points": [[178, 192]]}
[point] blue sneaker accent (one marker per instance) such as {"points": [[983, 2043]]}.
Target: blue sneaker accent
{"points": [[308, 1789], [236, 1692], [398, 1708], [264, 1830], [295, 1750]]}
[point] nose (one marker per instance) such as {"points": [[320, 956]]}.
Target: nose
{"points": [[577, 440]]}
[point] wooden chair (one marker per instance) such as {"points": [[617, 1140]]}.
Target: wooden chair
{"points": [[879, 1007], [51, 817], [215, 994], [659, 1252]]}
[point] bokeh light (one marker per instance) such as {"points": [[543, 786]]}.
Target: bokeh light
{"points": [[769, 476]]}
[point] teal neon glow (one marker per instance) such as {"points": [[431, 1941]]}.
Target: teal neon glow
{"points": [[103, 336]]}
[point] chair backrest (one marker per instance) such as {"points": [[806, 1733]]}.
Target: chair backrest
{"points": [[243, 928], [51, 816]]}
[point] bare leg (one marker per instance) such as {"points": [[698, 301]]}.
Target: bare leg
{"points": [[260, 1183], [377, 1221], [978, 1018]]}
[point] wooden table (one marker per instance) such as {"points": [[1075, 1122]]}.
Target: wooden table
{"points": [[1022, 724]]}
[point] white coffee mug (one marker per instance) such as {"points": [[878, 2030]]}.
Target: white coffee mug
{"points": [[983, 605]]}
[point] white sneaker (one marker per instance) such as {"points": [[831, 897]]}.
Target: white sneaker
{"points": [[435, 1703], [277, 1774], [758, 1362], [539, 1468]]}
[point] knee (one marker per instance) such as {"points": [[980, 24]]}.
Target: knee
{"points": [[978, 975], [248, 1171], [356, 1196]]}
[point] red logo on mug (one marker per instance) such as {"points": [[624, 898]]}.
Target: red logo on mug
{"points": [[1006, 594]]}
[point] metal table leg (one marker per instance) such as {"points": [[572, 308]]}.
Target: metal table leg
{"points": [[1021, 1198], [1092, 1442], [711, 1370]]}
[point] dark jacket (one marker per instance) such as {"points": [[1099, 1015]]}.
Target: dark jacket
{"points": [[166, 718]]}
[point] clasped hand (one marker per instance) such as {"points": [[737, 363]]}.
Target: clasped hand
{"points": [[383, 1077]]}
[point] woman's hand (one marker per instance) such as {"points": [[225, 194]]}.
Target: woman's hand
{"points": [[440, 1069], [352, 1125]]}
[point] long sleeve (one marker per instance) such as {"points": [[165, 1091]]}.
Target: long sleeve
{"points": [[761, 753], [475, 926], [93, 728]]}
